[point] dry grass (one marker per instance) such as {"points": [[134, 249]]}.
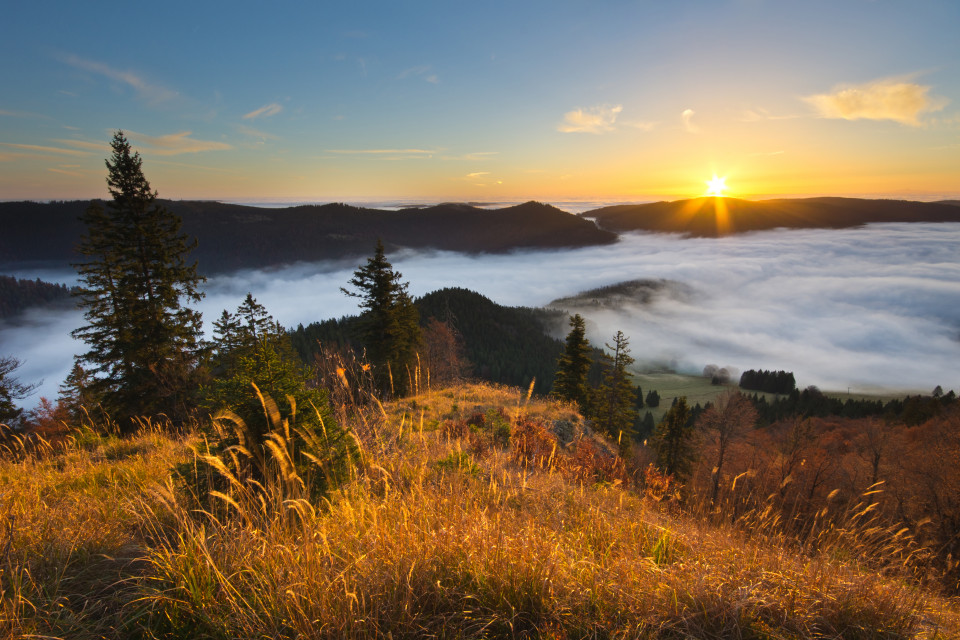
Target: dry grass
{"points": [[436, 536]]}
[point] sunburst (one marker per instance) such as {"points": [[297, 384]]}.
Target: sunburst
{"points": [[716, 186]]}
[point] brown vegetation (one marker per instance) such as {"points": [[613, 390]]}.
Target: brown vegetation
{"points": [[543, 535]]}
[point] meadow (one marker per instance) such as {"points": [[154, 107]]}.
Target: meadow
{"points": [[472, 511]]}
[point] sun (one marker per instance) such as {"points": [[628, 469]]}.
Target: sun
{"points": [[716, 186]]}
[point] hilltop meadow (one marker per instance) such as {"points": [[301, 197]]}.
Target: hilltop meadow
{"points": [[469, 511]]}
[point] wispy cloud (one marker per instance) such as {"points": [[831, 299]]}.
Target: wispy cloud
{"points": [[92, 145], [759, 113], [148, 91], [175, 143], [688, 124], [895, 99], [598, 119], [409, 152], [67, 172], [265, 111], [46, 150], [473, 156], [421, 71], [643, 126], [477, 174], [256, 133], [22, 114]]}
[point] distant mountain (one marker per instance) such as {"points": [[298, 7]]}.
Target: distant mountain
{"points": [[711, 217], [236, 236]]}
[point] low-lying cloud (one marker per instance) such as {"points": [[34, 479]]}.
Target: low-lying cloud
{"points": [[877, 307], [886, 99]]}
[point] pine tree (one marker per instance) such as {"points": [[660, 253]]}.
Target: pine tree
{"points": [[11, 389], [614, 402], [570, 383], [143, 343], [390, 323], [674, 441]]}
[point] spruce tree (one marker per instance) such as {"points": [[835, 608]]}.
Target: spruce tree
{"points": [[570, 383], [11, 389], [143, 343], [614, 402], [390, 324], [674, 441]]}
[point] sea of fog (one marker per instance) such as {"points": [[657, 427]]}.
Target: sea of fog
{"points": [[868, 309]]}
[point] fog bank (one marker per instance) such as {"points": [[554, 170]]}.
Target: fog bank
{"points": [[870, 308]]}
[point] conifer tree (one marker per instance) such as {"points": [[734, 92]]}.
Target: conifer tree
{"points": [[674, 441], [570, 383], [390, 323], [143, 343], [11, 389], [614, 405]]}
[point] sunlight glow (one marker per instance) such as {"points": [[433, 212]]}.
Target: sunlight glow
{"points": [[716, 186]]}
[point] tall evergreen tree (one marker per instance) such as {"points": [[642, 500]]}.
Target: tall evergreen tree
{"points": [[674, 441], [570, 383], [143, 343], [11, 389], [614, 405], [390, 323]]}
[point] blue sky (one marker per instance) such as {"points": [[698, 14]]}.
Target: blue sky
{"points": [[450, 100]]}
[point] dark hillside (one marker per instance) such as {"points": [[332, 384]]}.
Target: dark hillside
{"points": [[235, 236], [711, 217], [507, 345]]}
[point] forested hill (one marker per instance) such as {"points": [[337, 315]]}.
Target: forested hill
{"points": [[710, 217], [236, 236], [508, 345]]}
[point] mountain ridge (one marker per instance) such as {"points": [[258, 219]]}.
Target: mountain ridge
{"points": [[719, 216], [232, 236]]}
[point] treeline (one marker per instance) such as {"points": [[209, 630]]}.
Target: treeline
{"points": [[768, 381], [811, 402], [18, 295]]}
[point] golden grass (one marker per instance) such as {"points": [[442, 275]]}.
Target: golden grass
{"points": [[431, 538]]}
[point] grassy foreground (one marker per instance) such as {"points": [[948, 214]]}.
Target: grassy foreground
{"points": [[467, 518]]}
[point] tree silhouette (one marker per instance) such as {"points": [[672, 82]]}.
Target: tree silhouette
{"points": [[390, 324], [143, 343]]}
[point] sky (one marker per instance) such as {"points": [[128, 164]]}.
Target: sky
{"points": [[489, 101]]}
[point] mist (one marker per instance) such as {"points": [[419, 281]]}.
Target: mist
{"points": [[870, 309]]}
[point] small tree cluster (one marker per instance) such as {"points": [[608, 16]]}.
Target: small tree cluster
{"points": [[768, 381]]}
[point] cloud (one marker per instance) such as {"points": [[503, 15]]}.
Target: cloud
{"points": [[256, 133], [382, 151], [101, 147], [175, 144], [265, 111], [420, 71], [598, 119], [894, 99], [477, 174], [643, 126], [688, 124], [758, 114], [872, 307], [45, 150], [23, 114], [67, 172], [150, 92]]}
